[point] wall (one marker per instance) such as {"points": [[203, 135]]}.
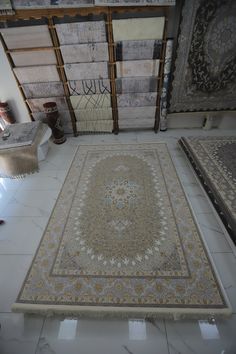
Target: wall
{"points": [[9, 90]]}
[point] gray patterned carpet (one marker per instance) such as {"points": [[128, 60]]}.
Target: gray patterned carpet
{"points": [[214, 160], [204, 77]]}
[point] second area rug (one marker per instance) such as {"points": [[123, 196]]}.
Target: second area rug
{"points": [[122, 241]]}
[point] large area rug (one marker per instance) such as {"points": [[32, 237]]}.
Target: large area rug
{"points": [[214, 160], [122, 240]]}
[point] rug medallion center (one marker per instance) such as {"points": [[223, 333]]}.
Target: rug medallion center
{"points": [[118, 223]]}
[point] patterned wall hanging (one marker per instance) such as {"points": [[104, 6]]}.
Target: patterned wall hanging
{"points": [[205, 68]]}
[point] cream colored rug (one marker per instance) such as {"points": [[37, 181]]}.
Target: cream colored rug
{"points": [[122, 240]]}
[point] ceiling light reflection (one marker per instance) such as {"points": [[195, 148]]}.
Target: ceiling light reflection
{"points": [[209, 330], [68, 329], [137, 330]]}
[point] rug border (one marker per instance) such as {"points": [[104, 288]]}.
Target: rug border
{"points": [[128, 311]]}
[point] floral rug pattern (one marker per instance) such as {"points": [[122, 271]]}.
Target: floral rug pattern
{"points": [[122, 235]]}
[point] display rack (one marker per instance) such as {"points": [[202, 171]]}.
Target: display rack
{"points": [[49, 16]]}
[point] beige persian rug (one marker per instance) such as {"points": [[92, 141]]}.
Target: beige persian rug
{"points": [[122, 240]]}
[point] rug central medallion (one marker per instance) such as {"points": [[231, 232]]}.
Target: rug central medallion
{"points": [[120, 223]]}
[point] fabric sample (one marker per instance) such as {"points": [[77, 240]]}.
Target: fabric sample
{"points": [[138, 29], [205, 67], [135, 50], [102, 126], [165, 87], [39, 4], [105, 126], [134, 2], [26, 37], [86, 71], [137, 99], [31, 58], [137, 68], [122, 226], [90, 101], [136, 84], [36, 104], [42, 4], [144, 123], [43, 89], [93, 114], [31, 74], [126, 113], [81, 32], [214, 160], [94, 120], [5, 5], [89, 87], [83, 53]]}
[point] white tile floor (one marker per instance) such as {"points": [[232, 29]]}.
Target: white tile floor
{"points": [[26, 206]]}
